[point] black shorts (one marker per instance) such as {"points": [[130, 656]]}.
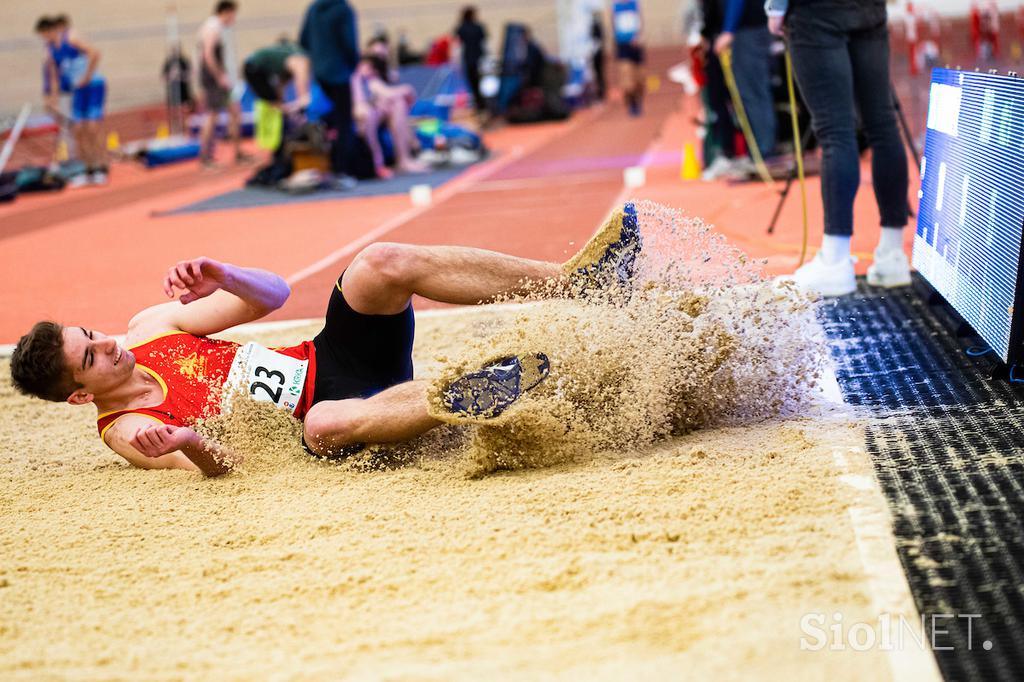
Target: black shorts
{"points": [[360, 355], [629, 52]]}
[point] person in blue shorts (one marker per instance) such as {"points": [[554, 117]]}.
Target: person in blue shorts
{"points": [[627, 25], [72, 61]]}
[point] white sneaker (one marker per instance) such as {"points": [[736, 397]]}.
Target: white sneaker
{"points": [[718, 168], [890, 269], [740, 168], [826, 279], [80, 180], [98, 178]]}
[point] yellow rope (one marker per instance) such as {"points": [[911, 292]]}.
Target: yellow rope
{"points": [[741, 114], [798, 152]]}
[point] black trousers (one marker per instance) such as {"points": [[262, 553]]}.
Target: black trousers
{"points": [[340, 121], [598, 65], [472, 70], [841, 63]]}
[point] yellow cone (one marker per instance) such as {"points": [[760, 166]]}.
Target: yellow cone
{"points": [[1016, 52], [163, 131], [653, 84], [690, 168], [62, 151], [113, 141]]}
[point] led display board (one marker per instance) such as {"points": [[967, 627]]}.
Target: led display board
{"points": [[969, 226]]}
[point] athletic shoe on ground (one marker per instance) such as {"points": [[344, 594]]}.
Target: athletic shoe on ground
{"points": [[718, 168], [890, 269], [492, 390], [609, 258], [243, 159], [826, 279], [80, 180], [741, 168], [98, 178], [343, 182]]}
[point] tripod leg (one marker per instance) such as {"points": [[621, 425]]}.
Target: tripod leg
{"points": [[782, 201]]}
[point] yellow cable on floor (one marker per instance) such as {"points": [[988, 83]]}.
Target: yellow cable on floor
{"points": [[741, 114], [798, 152]]}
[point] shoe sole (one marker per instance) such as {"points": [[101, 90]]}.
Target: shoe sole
{"points": [[490, 391]]}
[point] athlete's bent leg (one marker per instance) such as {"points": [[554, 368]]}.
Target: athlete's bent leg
{"points": [[396, 414], [384, 276]]}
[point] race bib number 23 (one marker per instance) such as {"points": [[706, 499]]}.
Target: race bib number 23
{"points": [[267, 376]]}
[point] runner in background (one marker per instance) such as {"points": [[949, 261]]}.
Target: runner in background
{"points": [[627, 24], [218, 76]]}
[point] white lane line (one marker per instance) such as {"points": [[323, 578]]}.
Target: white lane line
{"points": [[876, 545]]}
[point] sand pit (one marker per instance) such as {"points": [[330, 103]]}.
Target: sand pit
{"points": [[693, 546]]}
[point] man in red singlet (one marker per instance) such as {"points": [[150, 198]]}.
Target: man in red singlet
{"points": [[351, 385]]}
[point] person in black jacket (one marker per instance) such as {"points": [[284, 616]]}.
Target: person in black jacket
{"points": [[472, 34], [330, 37]]}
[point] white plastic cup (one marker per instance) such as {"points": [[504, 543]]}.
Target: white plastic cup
{"points": [[634, 176], [420, 195]]}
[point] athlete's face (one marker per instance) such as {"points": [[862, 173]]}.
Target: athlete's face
{"points": [[97, 361]]}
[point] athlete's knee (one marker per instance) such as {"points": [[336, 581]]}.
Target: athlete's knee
{"points": [[327, 428], [390, 265]]}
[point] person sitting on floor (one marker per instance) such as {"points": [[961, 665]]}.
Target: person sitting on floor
{"points": [[376, 102]]}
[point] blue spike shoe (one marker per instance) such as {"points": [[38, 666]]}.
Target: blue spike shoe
{"points": [[609, 259], [490, 391]]}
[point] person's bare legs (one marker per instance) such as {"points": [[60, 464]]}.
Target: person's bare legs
{"points": [[401, 133], [206, 133], [235, 129], [384, 276], [395, 414]]}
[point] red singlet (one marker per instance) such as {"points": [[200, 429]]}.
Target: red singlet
{"points": [[191, 371]]}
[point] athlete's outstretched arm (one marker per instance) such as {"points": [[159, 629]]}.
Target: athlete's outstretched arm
{"points": [[160, 446], [214, 296]]}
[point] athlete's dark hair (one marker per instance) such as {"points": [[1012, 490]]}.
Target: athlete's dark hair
{"points": [[225, 6], [38, 367], [468, 14], [61, 20], [44, 23]]}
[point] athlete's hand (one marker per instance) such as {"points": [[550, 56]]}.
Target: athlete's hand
{"points": [[197, 278], [157, 441], [723, 42], [775, 25]]}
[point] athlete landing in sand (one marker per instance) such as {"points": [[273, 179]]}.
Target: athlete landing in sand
{"points": [[351, 385]]}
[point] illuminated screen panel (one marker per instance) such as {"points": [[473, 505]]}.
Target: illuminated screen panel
{"points": [[968, 241]]}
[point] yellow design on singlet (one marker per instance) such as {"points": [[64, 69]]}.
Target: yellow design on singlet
{"points": [[192, 366]]}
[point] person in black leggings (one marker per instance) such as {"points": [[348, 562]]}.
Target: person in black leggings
{"points": [[840, 51]]}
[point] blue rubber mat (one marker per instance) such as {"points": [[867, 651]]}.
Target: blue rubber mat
{"points": [[254, 197], [948, 449]]}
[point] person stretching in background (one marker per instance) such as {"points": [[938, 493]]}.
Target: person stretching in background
{"points": [[73, 62]]}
